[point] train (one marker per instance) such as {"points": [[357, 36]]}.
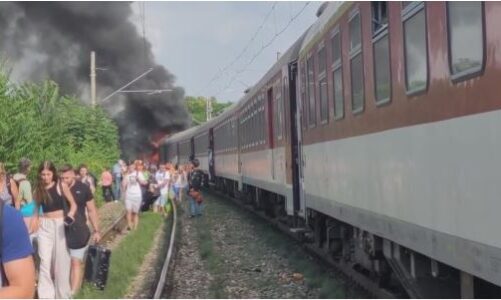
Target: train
{"points": [[376, 137]]}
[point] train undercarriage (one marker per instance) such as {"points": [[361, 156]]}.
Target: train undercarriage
{"points": [[372, 261]]}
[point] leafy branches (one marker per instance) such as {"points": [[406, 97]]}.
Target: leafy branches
{"points": [[38, 123]]}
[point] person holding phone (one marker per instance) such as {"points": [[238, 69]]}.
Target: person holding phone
{"points": [[85, 203], [55, 261]]}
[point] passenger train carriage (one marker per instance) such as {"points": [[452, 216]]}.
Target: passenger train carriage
{"points": [[376, 137]]}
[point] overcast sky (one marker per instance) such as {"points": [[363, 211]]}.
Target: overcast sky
{"points": [[194, 40]]}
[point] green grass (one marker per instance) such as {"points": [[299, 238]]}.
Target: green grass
{"points": [[126, 259]]}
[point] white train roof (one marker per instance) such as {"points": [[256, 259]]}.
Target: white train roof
{"points": [[180, 136], [330, 12]]}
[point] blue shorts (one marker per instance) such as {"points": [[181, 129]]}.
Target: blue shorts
{"points": [[161, 200], [177, 189]]}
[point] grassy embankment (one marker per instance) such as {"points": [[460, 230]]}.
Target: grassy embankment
{"points": [[126, 259]]}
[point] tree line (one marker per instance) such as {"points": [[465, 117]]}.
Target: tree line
{"points": [[197, 106]]}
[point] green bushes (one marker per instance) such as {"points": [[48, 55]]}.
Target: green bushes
{"points": [[38, 123]]}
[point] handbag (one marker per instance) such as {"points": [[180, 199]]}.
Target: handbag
{"points": [[78, 233]]}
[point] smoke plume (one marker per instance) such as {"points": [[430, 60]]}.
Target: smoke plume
{"points": [[53, 40]]}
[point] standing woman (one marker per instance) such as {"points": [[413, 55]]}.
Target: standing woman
{"points": [[179, 183], [133, 195], [86, 178], [55, 261], [144, 184]]}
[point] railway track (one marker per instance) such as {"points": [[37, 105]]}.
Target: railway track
{"points": [[161, 284], [357, 278], [113, 229]]}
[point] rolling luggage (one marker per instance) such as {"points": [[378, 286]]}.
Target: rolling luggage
{"points": [[97, 266], [148, 200]]}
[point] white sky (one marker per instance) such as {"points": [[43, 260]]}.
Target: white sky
{"points": [[194, 40]]}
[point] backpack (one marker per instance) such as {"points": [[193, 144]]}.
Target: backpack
{"points": [[196, 179], [18, 184]]}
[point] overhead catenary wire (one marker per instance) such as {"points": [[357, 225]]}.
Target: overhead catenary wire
{"points": [[244, 50], [240, 71]]}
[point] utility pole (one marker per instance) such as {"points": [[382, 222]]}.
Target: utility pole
{"points": [[93, 78], [208, 107]]}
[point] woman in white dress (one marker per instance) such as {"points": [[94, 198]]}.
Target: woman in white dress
{"points": [[133, 195]]}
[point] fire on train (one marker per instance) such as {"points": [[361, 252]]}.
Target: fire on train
{"points": [[376, 136]]}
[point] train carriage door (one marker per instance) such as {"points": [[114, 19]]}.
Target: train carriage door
{"points": [[296, 139], [210, 157], [270, 129]]}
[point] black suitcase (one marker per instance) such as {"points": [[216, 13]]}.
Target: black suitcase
{"points": [[97, 266], [148, 200]]}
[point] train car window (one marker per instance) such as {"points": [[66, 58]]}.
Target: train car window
{"points": [[356, 67], [357, 84], [337, 76], [279, 114], [466, 39], [338, 93], [381, 51], [235, 128], [355, 32], [253, 125], [263, 120], [406, 4], [324, 100], [311, 92], [382, 68], [322, 85], [416, 55], [379, 16], [336, 48], [242, 131], [303, 99], [322, 61]]}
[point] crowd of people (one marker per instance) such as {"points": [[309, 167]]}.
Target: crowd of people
{"points": [[147, 185], [53, 215]]}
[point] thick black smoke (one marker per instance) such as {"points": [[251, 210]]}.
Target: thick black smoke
{"points": [[53, 40]]}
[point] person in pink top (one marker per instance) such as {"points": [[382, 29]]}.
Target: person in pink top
{"points": [[106, 184]]}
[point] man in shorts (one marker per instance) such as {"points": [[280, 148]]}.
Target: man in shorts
{"points": [[85, 201]]}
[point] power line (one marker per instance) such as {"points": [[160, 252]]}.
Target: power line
{"points": [[238, 72], [222, 70]]}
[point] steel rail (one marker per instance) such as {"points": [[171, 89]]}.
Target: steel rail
{"points": [[105, 233], [163, 275]]}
